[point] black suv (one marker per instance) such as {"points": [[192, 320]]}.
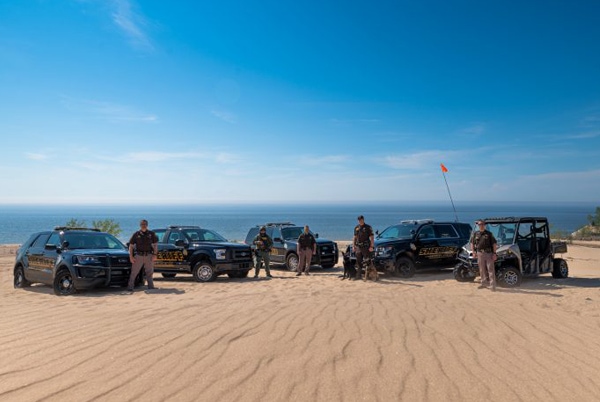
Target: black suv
{"points": [[71, 259], [202, 252], [285, 242], [401, 249]]}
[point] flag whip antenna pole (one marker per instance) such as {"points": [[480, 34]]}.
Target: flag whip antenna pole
{"points": [[444, 170]]}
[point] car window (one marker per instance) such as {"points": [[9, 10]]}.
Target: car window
{"points": [[397, 232], [292, 233], [173, 237], [160, 233], [54, 240], [251, 235], [275, 233], [206, 235], [41, 241], [426, 232], [445, 231]]}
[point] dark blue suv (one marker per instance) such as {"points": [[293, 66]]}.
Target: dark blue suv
{"points": [[72, 259]]}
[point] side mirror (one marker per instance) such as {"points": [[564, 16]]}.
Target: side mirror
{"points": [[51, 247], [180, 243], [316, 235], [278, 239]]}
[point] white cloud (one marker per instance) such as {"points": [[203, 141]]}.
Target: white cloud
{"points": [[326, 160], [131, 24], [155, 156], [475, 129], [418, 160], [225, 116], [36, 156], [108, 110]]}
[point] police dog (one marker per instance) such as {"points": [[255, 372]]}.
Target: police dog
{"points": [[370, 271], [349, 267]]}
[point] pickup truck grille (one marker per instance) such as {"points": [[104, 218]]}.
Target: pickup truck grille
{"points": [[242, 254], [326, 249]]}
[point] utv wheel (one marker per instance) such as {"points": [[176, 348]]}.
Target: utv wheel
{"points": [[509, 277], [204, 272], [167, 275], [238, 274], [63, 283], [463, 274], [291, 262], [560, 268], [20, 281], [405, 267]]}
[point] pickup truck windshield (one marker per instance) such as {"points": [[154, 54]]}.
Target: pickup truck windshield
{"points": [[203, 235]]}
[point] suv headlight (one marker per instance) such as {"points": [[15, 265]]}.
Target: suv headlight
{"points": [[220, 253], [86, 260], [384, 251]]}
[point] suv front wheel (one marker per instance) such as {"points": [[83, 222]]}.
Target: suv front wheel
{"points": [[291, 262], [63, 283], [405, 267]]}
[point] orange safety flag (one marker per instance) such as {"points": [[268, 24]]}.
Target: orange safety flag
{"points": [[444, 169]]}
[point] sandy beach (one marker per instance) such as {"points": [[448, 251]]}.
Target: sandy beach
{"points": [[316, 338]]}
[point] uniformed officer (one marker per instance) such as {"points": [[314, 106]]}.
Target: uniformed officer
{"points": [[484, 245], [143, 248], [306, 248], [363, 242], [263, 243]]}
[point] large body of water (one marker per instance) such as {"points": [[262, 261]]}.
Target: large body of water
{"points": [[334, 222]]}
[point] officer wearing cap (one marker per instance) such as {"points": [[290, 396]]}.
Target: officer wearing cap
{"points": [[484, 245], [143, 248], [364, 243], [306, 248], [263, 243]]}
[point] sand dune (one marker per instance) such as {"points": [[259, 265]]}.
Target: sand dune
{"points": [[306, 338]]}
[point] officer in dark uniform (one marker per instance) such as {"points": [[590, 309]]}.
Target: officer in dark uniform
{"points": [[143, 248], [484, 245], [306, 248], [364, 243], [263, 243]]}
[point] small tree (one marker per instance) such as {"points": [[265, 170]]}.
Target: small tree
{"points": [[595, 219], [108, 226], [104, 225], [75, 223]]}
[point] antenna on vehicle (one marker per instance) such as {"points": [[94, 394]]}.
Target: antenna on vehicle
{"points": [[444, 170]]}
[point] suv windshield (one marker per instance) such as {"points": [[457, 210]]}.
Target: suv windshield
{"points": [[203, 235], [92, 241], [397, 232], [503, 232]]}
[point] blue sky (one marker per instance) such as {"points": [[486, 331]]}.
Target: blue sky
{"points": [[121, 101]]}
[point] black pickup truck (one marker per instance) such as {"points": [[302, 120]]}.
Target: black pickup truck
{"points": [[201, 252]]}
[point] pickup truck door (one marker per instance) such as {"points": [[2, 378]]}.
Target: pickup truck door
{"points": [[172, 255]]}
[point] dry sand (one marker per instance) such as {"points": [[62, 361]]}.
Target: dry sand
{"points": [[317, 338]]}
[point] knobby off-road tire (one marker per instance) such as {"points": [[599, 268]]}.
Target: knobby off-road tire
{"points": [[509, 277], [463, 274], [204, 272], [560, 269]]}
